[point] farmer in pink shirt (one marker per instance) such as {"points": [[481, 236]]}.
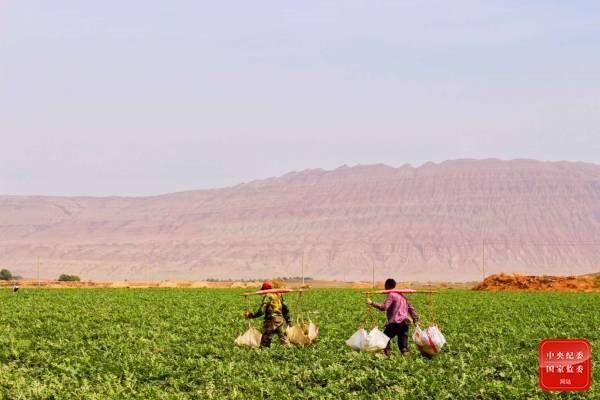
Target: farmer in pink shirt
{"points": [[398, 309]]}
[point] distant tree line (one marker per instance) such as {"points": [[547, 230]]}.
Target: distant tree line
{"points": [[296, 278], [283, 278], [69, 278], [6, 275]]}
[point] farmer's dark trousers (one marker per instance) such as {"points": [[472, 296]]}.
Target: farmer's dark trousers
{"points": [[398, 329]]}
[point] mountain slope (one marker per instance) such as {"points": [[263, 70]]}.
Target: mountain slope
{"points": [[434, 222]]}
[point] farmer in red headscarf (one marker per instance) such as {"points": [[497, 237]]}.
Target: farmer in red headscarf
{"points": [[276, 313]]}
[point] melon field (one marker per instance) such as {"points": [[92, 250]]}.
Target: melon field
{"points": [[178, 344]]}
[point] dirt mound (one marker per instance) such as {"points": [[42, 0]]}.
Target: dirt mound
{"points": [[504, 281]]}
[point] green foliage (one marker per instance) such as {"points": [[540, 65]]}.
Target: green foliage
{"points": [[68, 278], [178, 344], [5, 275]]}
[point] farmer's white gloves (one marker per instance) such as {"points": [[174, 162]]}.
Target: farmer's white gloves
{"points": [[369, 301]]}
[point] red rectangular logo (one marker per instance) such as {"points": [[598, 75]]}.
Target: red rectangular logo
{"points": [[565, 364]]}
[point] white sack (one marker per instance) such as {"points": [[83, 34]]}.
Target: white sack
{"points": [[430, 340], [358, 341], [250, 338], [376, 340], [372, 341], [313, 332]]}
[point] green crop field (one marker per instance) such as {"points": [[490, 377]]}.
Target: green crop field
{"points": [[178, 344]]}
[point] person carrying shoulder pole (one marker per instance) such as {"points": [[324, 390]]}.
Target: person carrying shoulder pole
{"points": [[398, 308], [276, 313]]}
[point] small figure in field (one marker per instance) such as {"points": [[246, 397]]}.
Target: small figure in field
{"points": [[276, 313], [15, 288], [398, 309]]}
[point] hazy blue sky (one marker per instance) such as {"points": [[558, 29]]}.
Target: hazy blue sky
{"points": [[146, 97]]}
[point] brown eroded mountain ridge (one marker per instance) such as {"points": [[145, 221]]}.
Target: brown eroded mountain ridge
{"points": [[452, 221]]}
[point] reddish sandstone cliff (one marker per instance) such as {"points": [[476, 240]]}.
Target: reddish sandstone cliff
{"points": [[425, 223]]}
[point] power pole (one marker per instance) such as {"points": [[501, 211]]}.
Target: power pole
{"points": [[302, 266], [373, 271], [38, 272], [483, 258]]}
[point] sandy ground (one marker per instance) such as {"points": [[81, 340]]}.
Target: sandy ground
{"points": [[496, 282], [226, 284]]}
